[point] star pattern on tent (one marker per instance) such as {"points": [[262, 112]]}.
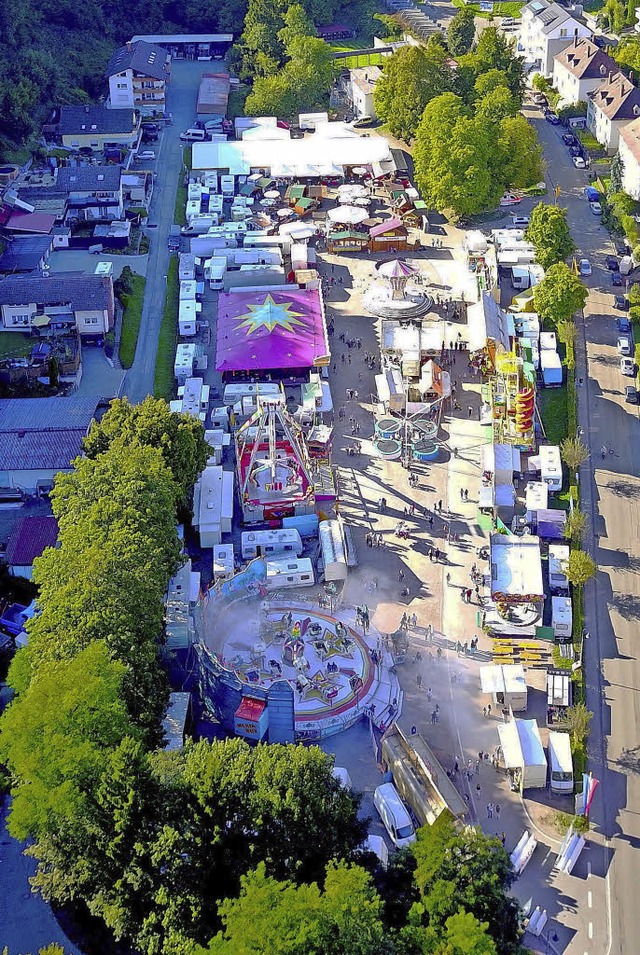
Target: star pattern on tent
{"points": [[270, 314]]}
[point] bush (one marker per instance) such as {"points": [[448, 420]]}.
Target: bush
{"points": [[163, 382], [131, 294]]}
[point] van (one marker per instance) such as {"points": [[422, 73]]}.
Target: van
{"points": [[561, 763], [520, 222], [227, 186], [194, 136], [394, 815]]}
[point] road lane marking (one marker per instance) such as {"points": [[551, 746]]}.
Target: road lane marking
{"points": [[590, 930], [590, 899], [588, 870]]}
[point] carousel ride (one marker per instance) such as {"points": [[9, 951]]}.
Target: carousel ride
{"points": [[392, 297]]}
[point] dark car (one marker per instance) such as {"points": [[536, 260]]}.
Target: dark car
{"points": [[622, 247], [631, 394], [552, 118], [612, 263], [575, 151], [616, 278], [569, 139], [622, 304]]}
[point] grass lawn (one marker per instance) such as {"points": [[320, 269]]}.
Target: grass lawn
{"points": [[15, 345], [180, 211], [164, 382], [554, 412], [511, 9], [131, 318]]}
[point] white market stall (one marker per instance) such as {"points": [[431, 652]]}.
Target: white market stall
{"points": [[347, 215], [332, 545], [523, 754], [506, 683]]}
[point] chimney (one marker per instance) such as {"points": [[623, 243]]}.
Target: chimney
{"points": [[610, 76], [129, 46]]}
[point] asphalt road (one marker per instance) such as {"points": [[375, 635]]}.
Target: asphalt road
{"points": [[181, 102], [610, 493]]}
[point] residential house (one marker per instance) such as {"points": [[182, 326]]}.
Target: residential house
{"points": [[612, 105], [29, 539], [629, 149], [39, 437], [579, 69], [28, 253], [95, 127], [138, 74], [94, 192], [546, 29], [57, 299], [362, 83]]}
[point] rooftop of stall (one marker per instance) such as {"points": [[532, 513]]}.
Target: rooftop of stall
{"points": [[516, 568], [275, 331]]}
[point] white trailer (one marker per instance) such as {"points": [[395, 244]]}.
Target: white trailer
{"points": [[223, 562], [283, 574], [560, 763], [558, 559], [271, 543], [523, 754], [551, 466], [506, 683], [332, 545], [562, 618], [188, 317]]}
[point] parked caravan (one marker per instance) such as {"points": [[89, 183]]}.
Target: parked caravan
{"points": [[253, 239], [523, 754], [561, 618], [551, 466], [558, 581], [332, 546], [200, 225], [208, 245], [394, 815], [214, 271], [551, 368], [227, 186], [270, 543], [223, 561], [560, 763], [289, 573], [506, 683]]}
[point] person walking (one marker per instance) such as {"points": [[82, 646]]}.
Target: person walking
{"points": [[470, 410], [489, 809], [497, 808], [419, 680]]}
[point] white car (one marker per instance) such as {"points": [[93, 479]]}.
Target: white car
{"points": [[147, 155], [624, 345], [579, 162], [596, 208], [628, 367], [510, 199], [584, 267]]}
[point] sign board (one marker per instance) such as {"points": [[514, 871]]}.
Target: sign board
{"points": [[486, 6]]}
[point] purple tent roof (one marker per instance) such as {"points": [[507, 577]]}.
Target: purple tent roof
{"points": [[263, 330]]}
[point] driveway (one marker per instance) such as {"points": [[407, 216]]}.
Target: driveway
{"points": [[610, 492], [181, 102]]}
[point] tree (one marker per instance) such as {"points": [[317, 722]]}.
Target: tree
{"points": [[285, 919], [574, 453], [393, 28], [453, 158], [548, 231], [55, 738], [495, 51], [575, 525], [179, 437], [461, 31], [578, 720], [467, 870], [296, 24], [412, 77], [496, 105], [489, 81], [616, 173], [520, 154], [559, 295], [580, 568], [541, 83], [303, 83]]}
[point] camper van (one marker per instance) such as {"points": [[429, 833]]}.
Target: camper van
{"points": [[551, 466], [558, 558], [270, 543], [194, 136], [289, 573], [394, 815], [227, 186], [560, 763], [561, 619]]}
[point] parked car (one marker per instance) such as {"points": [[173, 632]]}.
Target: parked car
{"points": [[575, 151], [147, 155], [622, 304], [552, 118], [624, 345], [591, 194], [612, 263], [149, 137], [579, 162], [631, 394], [596, 208], [622, 247], [569, 139], [363, 123], [584, 267], [510, 199], [616, 279], [628, 367], [539, 98]]}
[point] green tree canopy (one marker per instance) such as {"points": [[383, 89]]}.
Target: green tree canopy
{"points": [[461, 31], [580, 568], [412, 77], [466, 870], [548, 231], [284, 919], [559, 295]]}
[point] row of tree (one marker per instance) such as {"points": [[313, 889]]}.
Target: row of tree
{"points": [[470, 141]]}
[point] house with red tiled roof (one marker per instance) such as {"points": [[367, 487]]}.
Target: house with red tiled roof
{"points": [[613, 104], [579, 69]]}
